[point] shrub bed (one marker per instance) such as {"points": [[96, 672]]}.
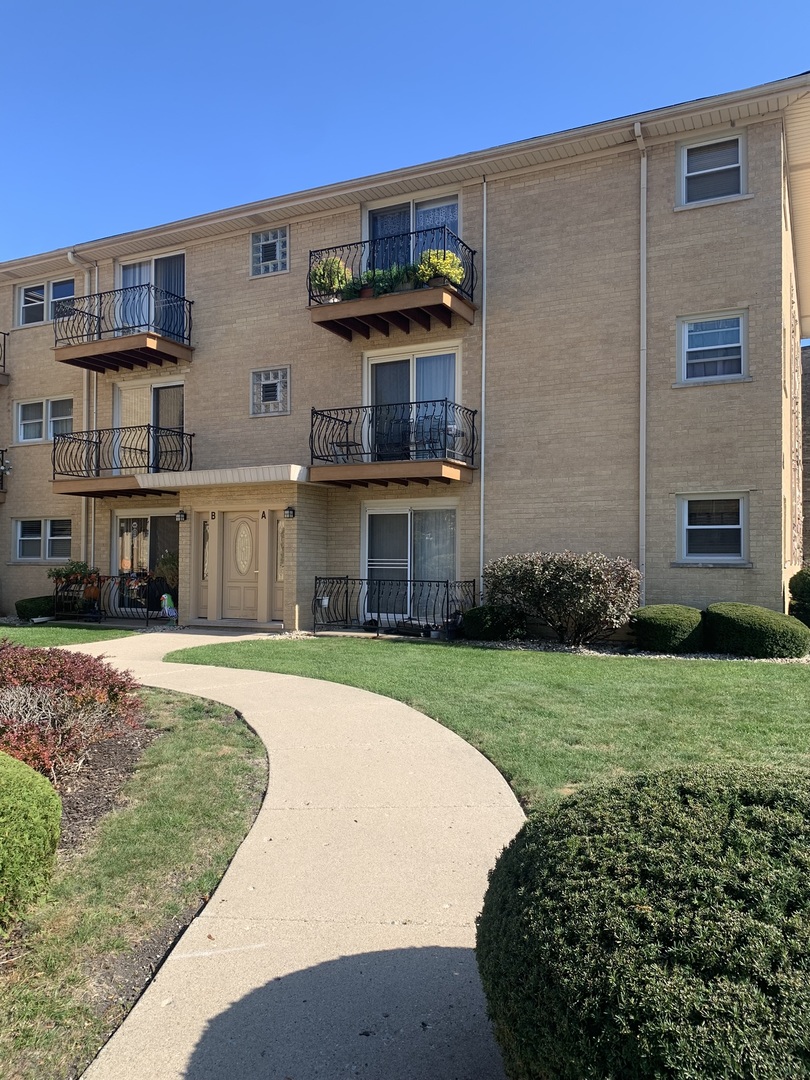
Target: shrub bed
{"points": [[30, 811], [493, 622], [748, 630], [54, 705], [655, 927], [34, 607], [583, 598], [668, 628]]}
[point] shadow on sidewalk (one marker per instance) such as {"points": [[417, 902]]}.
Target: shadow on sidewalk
{"points": [[406, 1014]]}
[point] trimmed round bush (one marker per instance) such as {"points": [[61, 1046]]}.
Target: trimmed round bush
{"points": [[748, 630], [668, 628], [582, 597], [34, 606], [30, 811], [655, 927], [799, 586], [493, 622]]}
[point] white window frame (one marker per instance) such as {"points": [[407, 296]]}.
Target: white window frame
{"points": [[48, 300], [278, 375], [435, 195], [404, 506], [693, 144], [384, 355], [683, 378], [46, 539], [280, 265], [47, 420], [683, 530]]}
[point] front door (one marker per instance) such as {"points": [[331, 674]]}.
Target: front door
{"points": [[240, 564]]}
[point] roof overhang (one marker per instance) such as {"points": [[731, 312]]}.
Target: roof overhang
{"points": [[786, 96]]}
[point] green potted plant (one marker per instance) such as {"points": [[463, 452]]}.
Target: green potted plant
{"points": [[74, 572], [375, 283], [168, 568], [328, 278], [403, 278], [439, 268]]}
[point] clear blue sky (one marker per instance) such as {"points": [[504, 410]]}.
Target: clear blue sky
{"points": [[123, 114]]}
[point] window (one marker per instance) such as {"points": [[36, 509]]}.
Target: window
{"points": [[268, 252], [32, 417], [712, 347], [270, 392], [399, 234], [711, 170], [36, 300], [712, 528], [55, 533]]}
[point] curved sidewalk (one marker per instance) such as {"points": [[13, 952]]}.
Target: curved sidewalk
{"points": [[340, 941]]}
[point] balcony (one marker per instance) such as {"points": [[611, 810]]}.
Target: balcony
{"points": [[118, 461], [3, 352], [391, 605], [420, 278], [410, 442], [125, 329]]}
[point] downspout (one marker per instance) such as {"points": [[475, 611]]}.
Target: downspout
{"points": [[642, 368], [483, 412]]}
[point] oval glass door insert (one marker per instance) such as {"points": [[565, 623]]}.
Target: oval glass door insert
{"points": [[243, 548]]}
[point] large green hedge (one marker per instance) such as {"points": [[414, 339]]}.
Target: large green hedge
{"points": [[30, 811], [656, 927], [799, 586], [748, 630], [668, 628], [34, 606]]}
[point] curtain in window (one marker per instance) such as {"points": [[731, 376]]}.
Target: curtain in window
{"points": [[170, 277], [390, 237], [134, 302], [433, 545]]}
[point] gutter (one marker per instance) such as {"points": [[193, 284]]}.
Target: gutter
{"points": [[483, 413]]}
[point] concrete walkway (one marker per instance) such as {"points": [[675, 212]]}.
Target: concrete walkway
{"points": [[340, 941]]}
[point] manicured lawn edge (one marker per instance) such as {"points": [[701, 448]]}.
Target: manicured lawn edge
{"points": [[66, 981]]}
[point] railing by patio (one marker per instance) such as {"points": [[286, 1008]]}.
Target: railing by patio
{"points": [[385, 605], [3, 350], [115, 451], [408, 431], [3, 469], [391, 264], [134, 310], [119, 596]]}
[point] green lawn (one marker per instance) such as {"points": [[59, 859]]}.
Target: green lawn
{"points": [[552, 721], [192, 799], [49, 634]]}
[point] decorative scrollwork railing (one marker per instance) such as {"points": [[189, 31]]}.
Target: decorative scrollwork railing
{"points": [[118, 596], [3, 469], [407, 431], [3, 350], [387, 605], [391, 264], [136, 309], [114, 451]]}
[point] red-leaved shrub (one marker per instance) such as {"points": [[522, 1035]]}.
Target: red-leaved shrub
{"points": [[54, 705]]}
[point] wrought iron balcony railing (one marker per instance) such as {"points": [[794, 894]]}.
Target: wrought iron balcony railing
{"points": [[135, 310], [3, 350], [117, 451], [395, 606], [408, 431], [137, 595], [3, 469], [391, 264]]}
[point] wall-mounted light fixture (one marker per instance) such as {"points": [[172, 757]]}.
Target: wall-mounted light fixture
{"points": [[180, 515], [289, 513]]}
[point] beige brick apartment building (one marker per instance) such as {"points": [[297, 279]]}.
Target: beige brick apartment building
{"points": [[587, 340]]}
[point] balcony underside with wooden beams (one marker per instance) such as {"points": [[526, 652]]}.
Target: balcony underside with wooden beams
{"points": [[130, 352], [387, 473], [108, 487], [423, 308]]}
